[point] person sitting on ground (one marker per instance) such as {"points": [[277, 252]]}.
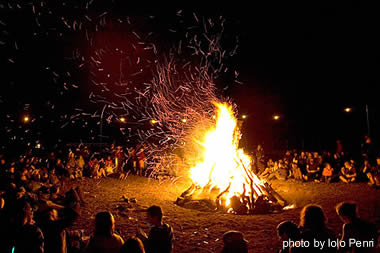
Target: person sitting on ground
{"points": [[327, 173], [287, 231], [104, 239], [270, 169], [54, 227], [313, 170], [281, 173], [364, 170], [109, 166], [160, 237], [313, 228], [26, 236], [355, 228], [374, 174], [96, 170], [132, 245], [348, 173], [296, 171], [234, 242]]}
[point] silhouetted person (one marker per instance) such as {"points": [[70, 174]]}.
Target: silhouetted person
{"points": [[313, 227], [160, 236], [133, 245], [287, 231], [26, 236], [234, 242], [104, 239], [356, 229]]}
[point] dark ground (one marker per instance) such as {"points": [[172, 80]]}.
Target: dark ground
{"points": [[197, 231]]}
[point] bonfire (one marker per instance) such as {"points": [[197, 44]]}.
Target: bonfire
{"points": [[224, 179]]}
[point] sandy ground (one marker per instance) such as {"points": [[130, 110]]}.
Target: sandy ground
{"points": [[197, 231]]}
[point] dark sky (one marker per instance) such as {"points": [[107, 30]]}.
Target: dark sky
{"points": [[305, 61]]}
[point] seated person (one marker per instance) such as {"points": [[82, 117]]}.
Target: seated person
{"points": [[160, 236], [297, 174], [272, 167], [327, 173], [281, 173], [132, 245], [364, 170], [348, 173], [374, 174], [287, 231], [104, 239], [25, 235], [233, 241], [313, 227], [355, 228], [313, 170], [109, 166]]}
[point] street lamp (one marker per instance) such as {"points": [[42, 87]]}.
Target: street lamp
{"points": [[348, 109], [276, 117], [26, 119], [122, 119], [243, 116]]}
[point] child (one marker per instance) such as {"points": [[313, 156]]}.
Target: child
{"points": [[327, 173], [160, 236]]}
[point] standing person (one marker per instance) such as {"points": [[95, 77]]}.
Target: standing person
{"points": [[368, 149], [259, 159], [132, 160], [104, 239], [339, 147], [160, 239], [356, 229], [141, 161], [119, 158]]}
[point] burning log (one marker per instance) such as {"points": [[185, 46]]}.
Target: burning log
{"points": [[224, 166]]}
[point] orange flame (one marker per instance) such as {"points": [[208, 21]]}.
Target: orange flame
{"points": [[224, 165]]}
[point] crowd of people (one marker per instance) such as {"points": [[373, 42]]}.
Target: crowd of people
{"points": [[38, 206], [313, 234], [319, 166]]}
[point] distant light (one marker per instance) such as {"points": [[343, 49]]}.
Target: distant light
{"points": [[243, 116], [276, 117], [122, 119], [26, 119], [38, 145], [348, 109], [153, 121], [213, 116], [184, 120]]}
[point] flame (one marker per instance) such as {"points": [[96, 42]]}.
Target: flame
{"points": [[224, 166]]}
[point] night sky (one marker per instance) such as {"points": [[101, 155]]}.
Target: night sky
{"points": [[303, 61]]}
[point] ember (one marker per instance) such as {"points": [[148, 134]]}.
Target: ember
{"points": [[224, 177]]}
